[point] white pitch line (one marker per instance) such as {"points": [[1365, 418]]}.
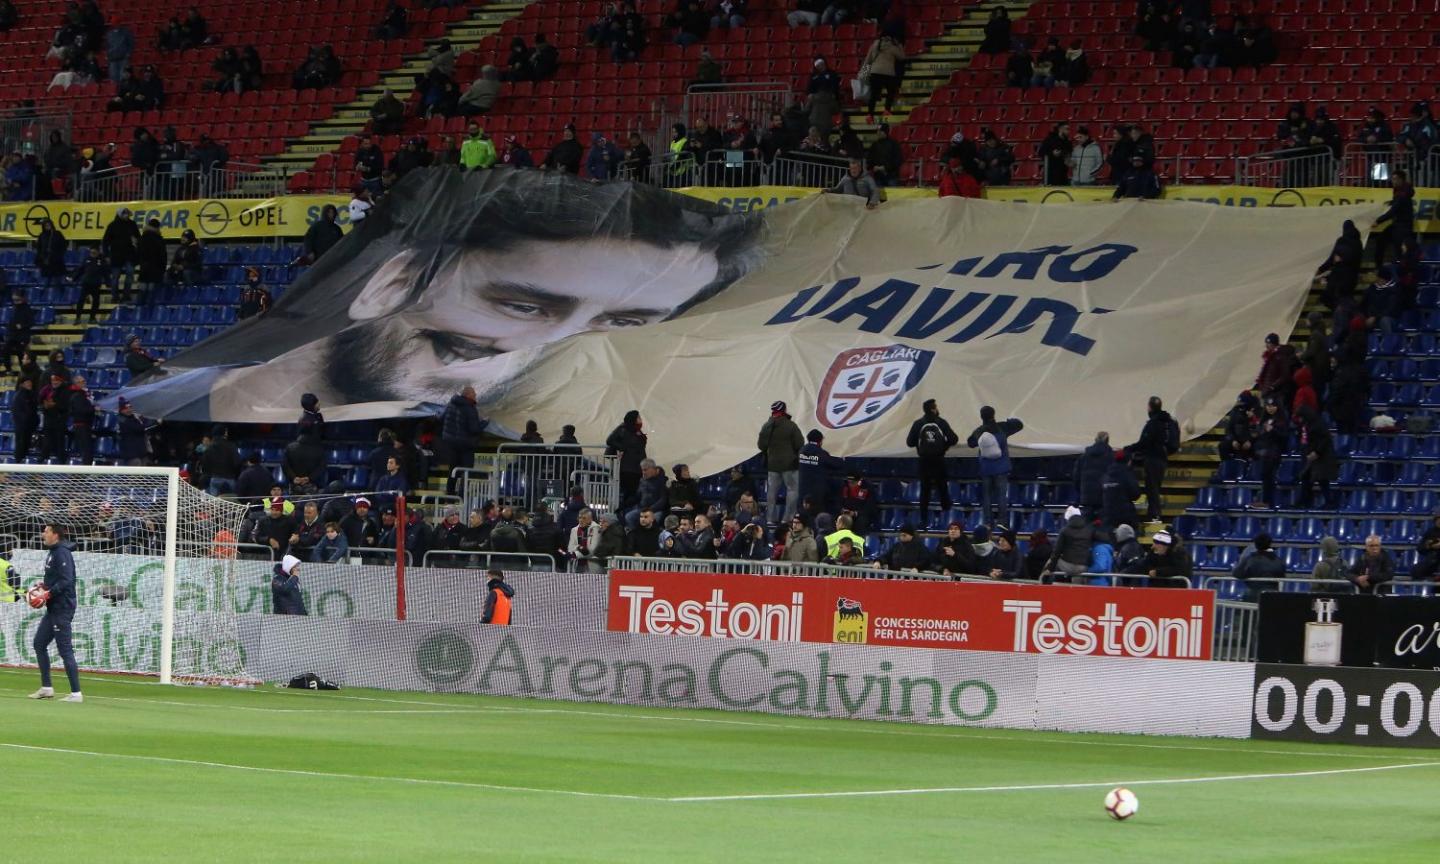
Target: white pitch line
{"points": [[1108, 784], [329, 775]]}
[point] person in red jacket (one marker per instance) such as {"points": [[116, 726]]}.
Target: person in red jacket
{"points": [[1304, 391], [956, 181]]}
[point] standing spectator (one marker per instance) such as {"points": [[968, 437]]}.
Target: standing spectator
{"points": [[1374, 568], [55, 409], [1085, 159], [1090, 469], [323, 235], [387, 115], [255, 298], [499, 608], [460, 431], [885, 156], [82, 421], [1321, 463], [22, 323], [992, 438], [1348, 395], [1305, 395], [566, 154], [780, 441], [138, 361], [370, 162], [1054, 154], [477, 152], [91, 275], [931, 436], [997, 159], [819, 472], [885, 60], [119, 245], [50, 248], [707, 70], [603, 159], [1399, 216], [628, 442], [285, 595], [119, 45], [1159, 440], [1137, 182], [637, 160], [997, 32], [131, 435], [24, 415], [220, 463]]}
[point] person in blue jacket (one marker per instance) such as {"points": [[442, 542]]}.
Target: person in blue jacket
{"points": [[60, 602], [819, 473], [285, 588], [992, 439]]}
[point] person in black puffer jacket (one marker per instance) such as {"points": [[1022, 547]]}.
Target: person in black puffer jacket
{"points": [[628, 442], [1072, 548]]}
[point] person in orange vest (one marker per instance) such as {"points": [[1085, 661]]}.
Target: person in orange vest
{"points": [[498, 594]]}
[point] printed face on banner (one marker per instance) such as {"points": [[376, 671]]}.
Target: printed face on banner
{"points": [[423, 345], [863, 383]]}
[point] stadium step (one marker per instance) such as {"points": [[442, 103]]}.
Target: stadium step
{"points": [[326, 136], [933, 68]]}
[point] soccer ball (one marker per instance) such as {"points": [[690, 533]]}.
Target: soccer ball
{"points": [[1121, 803], [37, 596]]}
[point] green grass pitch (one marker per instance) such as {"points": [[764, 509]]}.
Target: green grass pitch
{"points": [[147, 773]]}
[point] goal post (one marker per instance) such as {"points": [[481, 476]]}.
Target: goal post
{"points": [[138, 533]]}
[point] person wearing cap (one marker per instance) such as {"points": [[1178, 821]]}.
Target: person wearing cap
{"points": [[130, 432], [276, 528], [992, 439], [255, 480], [800, 544], [1090, 468], [255, 298], [499, 606], [780, 441], [137, 359], [187, 265], [1071, 555], [1003, 560], [359, 526], [119, 245], [285, 594], [908, 554], [955, 555], [1159, 440], [449, 532], [1167, 562], [819, 472], [1118, 491], [515, 154], [1259, 568], [82, 420]]}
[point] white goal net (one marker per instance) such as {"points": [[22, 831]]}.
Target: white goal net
{"points": [[154, 566]]}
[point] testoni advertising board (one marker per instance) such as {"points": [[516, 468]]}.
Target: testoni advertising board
{"points": [[1161, 623]]}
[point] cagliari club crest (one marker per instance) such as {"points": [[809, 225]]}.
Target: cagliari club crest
{"points": [[863, 383]]}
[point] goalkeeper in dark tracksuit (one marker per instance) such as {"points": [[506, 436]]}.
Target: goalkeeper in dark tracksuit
{"points": [[59, 600]]}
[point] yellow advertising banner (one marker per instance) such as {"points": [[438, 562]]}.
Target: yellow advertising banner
{"points": [[210, 219], [1427, 201]]}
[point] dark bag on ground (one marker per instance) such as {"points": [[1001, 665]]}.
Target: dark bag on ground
{"points": [[311, 681]]}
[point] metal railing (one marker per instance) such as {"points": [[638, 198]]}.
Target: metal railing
{"points": [[377, 555], [1237, 626], [1250, 589], [27, 130], [767, 568], [530, 476], [1358, 165], [465, 559], [174, 181]]}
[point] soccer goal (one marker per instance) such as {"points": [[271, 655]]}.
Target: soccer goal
{"points": [[155, 569]]}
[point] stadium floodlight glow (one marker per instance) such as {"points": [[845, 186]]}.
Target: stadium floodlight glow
{"points": [[125, 523]]}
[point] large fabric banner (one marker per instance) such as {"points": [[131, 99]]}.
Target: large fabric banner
{"points": [[210, 218], [570, 302]]}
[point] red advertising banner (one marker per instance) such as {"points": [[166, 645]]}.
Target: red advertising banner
{"points": [[1031, 619]]}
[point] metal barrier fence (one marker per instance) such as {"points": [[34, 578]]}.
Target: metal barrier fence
{"points": [[1250, 589], [530, 475], [455, 558], [1237, 626], [767, 568], [1357, 165], [175, 181], [27, 131]]}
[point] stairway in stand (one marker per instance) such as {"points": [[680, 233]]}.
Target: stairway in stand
{"points": [[943, 56], [326, 136]]}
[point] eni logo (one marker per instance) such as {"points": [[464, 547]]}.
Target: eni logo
{"points": [[851, 622], [444, 658]]}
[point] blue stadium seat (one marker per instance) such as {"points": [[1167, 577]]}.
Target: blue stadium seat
{"points": [[1221, 557], [1359, 501], [1206, 499], [1401, 532], [1422, 502], [1244, 528], [1406, 394], [1412, 474], [1389, 501], [1346, 531]]}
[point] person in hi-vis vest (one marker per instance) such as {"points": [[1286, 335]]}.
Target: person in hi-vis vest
{"points": [[498, 597], [10, 591]]}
